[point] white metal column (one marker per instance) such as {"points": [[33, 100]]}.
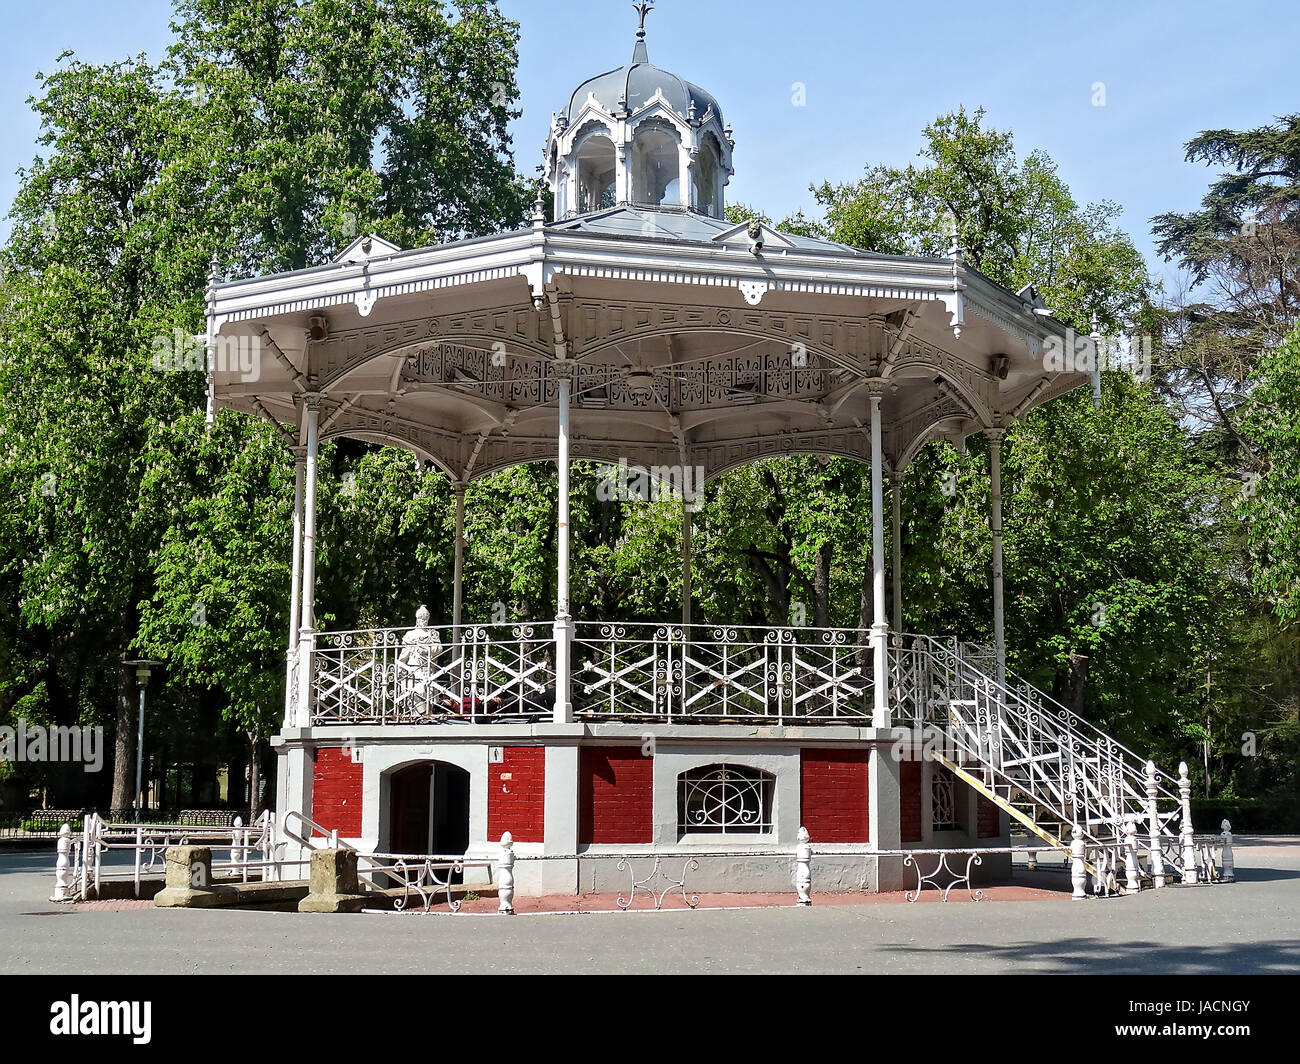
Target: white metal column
{"points": [[879, 626], [295, 589], [686, 562], [995, 527], [307, 619], [563, 619], [896, 504], [458, 576]]}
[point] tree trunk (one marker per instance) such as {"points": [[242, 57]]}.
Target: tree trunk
{"points": [[124, 740], [254, 776], [822, 588], [1070, 690]]}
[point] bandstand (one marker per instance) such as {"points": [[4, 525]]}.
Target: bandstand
{"points": [[639, 325]]}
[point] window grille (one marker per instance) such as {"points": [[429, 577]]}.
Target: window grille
{"points": [[725, 800]]}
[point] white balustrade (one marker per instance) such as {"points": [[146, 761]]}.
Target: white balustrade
{"points": [[506, 876], [803, 867], [1227, 869], [62, 874], [1078, 869], [1189, 837], [1133, 882], [1154, 827]]}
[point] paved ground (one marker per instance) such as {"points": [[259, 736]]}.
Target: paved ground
{"points": [[1250, 926]]}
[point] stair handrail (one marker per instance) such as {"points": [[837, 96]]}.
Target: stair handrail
{"points": [[1132, 798], [1060, 707], [1135, 771], [332, 837]]}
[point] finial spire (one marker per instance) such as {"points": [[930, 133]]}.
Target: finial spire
{"points": [[642, 8]]}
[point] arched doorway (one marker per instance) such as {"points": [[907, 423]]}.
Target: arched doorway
{"points": [[428, 809]]}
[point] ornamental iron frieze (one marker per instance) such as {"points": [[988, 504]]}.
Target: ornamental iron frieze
{"points": [[595, 324], [518, 328]]}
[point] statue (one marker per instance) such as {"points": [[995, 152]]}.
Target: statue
{"points": [[419, 648]]}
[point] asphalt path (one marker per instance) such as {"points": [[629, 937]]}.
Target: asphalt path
{"points": [[1251, 926]]}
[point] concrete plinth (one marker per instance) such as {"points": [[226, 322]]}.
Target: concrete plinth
{"points": [[189, 880], [334, 885]]}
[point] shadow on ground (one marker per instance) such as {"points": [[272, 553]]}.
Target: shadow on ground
{"points": [[1100, 956]]}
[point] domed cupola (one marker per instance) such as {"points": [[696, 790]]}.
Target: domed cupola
{"points": [[639, 136]]}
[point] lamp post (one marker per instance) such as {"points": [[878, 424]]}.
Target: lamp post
{"points": [[143, 666]]}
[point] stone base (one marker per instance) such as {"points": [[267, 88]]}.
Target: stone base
{"points": [[332, 903], [334, 885], [195, 898]]}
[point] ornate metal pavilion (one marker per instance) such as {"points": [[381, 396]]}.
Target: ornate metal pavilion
{"points": [[639, 325]]}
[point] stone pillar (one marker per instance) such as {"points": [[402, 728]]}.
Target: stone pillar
{"points": [[560, 819], [334, 887], [189, 880], [883, 815]]}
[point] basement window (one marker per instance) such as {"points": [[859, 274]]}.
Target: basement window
{"points": [[725, 800]]}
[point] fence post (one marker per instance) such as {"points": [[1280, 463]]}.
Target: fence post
{"points": [[506, 877], [1189, 838], [1133, 884], [61, 883], [803, 868], [236, 853], [1153, 826], [1227, 871], [1078, 871]]}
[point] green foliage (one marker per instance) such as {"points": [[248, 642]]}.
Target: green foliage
{"points": [[1015, 221], [1272, 503]]}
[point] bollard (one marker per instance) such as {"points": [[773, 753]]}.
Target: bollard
{"points": [[1078, 871], [61, 877], [1227, 873], [236, 853], [1189, 839], [803, 868], [506, 877], [1153, 825], [1031, 860], [1133, 883]]}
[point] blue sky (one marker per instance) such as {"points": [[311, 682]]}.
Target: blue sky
{"points": [[875, 75]]}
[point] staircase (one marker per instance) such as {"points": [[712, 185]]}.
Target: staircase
{"points": [[1034, 758]]}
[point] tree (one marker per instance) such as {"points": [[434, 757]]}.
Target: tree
{"points": [[272, 133], [1242, 252]]}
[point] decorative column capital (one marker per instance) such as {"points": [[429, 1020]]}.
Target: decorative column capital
{"points": [[563, 369], [995, 436]]}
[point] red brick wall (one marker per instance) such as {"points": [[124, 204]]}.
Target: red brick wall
{"points": [[833, 795], [336, 792], [987, 819], [909, 813], [517, 794], [615, 795]]}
